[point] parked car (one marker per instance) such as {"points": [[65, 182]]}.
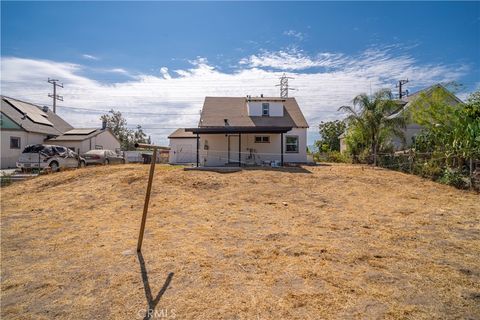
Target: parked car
{"points": [[102, 157], [41, 156]]}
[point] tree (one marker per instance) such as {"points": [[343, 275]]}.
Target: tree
{"points": [[139, 136], [118, 124], [449, 128], [371, 117], [330, 131]]}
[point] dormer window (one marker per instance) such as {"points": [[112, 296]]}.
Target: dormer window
{"points": [[265, 109]]}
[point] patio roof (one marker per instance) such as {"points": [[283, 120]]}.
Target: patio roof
{"points": [[230, 129]]}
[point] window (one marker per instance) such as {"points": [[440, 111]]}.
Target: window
{"points": [[265, 109], [292, 144], [262, 139], [15, 143], [60, 150]]}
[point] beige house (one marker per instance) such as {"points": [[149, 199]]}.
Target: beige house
{"points": [[242, 131], [412, 129], [23, 124]]}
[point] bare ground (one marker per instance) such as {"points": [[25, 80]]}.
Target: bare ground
{"points": [[333, 242]]}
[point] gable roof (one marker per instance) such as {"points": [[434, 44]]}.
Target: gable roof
{"points": [[180, 133], [216, 109], [33, 118], [80, 134], [410, 99]]}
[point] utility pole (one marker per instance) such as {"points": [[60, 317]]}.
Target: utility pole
{"points": [[55, 96], [399, 86], [284, 86]]}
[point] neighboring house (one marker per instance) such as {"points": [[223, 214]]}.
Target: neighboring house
{"points": [[244, 131], [23, 124], [85, 139], [182, 146], [412, 129]]}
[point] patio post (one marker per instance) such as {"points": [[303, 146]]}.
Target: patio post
{"points": [[198, 142], [239, 149], [281, 149]]}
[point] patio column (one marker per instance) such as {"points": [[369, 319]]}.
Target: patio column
{"points": [[239, 149], [281, 149], [198, 142]]}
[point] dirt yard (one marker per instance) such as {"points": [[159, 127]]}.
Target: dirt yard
{"points": [[331, 242]]}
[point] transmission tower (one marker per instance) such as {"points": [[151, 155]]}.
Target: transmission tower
{"points": [[55, 96], [284, 86]]}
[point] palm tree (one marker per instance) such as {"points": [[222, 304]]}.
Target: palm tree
{"points": [[373, 116]]}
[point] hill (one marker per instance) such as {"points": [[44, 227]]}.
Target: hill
{"points": [[332, 241]]}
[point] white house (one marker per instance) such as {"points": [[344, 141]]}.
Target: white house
{"points": [[182, 147], [244, 131], [412, 129], [23, 123], [85, 139]]}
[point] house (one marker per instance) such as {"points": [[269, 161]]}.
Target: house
{"points": [[182, 147], [23, 123], [412, 129], [85, 139], [244, 131]]}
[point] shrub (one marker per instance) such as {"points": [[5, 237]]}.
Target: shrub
{"points": [[453, 178], [336, 156], [428, 169], [5, 180]]}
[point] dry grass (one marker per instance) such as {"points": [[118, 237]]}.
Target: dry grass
{"points": [[349, 242]]}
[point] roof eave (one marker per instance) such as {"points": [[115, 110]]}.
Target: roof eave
{"points": [[231, 129]]}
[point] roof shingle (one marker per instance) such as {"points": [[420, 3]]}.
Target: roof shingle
{"points": [[216, 109]]}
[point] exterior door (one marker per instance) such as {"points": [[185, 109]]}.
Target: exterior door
{"points": [[233, 142]]}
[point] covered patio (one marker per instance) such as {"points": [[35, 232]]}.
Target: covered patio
{"points": [[237, 131]]}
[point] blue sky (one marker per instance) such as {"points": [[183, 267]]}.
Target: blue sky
{"points": [[156, 57]]}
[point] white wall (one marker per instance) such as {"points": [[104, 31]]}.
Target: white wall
{"points": [[255, 108], [105, 140], [216, 154], [9, 157], [183, 150]]}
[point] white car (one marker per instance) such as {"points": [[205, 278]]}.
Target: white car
{"points": [[41, 156]]}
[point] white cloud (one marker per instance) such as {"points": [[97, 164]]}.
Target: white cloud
{"points": [[335, 81], [291, 60], [90, 57], [118, 70], [296, 34]]}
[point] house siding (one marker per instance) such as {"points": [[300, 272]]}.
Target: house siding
{"points": [[182, 150], [213, 149], [105, 140], [9, 156]]}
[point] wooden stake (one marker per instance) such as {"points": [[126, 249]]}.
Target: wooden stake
{"points": [[147, 199]]}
